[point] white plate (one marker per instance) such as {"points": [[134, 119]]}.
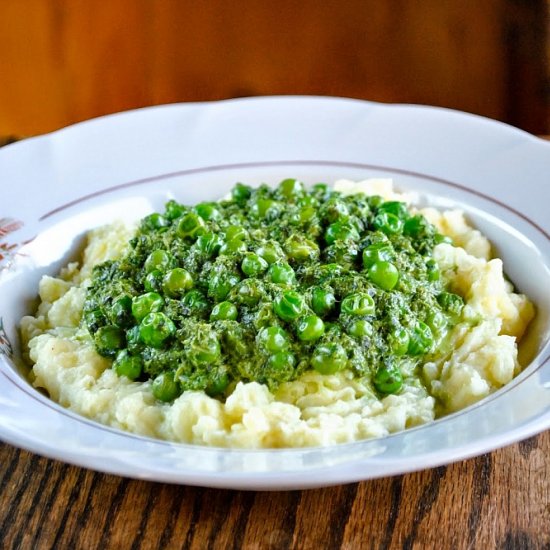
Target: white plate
{"points": [[61, 184]]}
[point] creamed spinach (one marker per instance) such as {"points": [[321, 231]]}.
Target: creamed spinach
{"points": [[268, 284]]}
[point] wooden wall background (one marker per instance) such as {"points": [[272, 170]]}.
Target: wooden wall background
{"points": [[62, 61]]}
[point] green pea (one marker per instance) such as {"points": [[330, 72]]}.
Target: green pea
{"points": [[374, 201], [321, 190], [209, 243], [280, 365], [432, 270], [334, 209], [359, 303], [303, 216], [360, 209], [207, 211], [341, 231], [396, 208], [451, 303], [282, 273], [271, 252], [388, 379], [195, 303], [253, 265], [155, 329], [360, 328], [248, 292], [153, 281], [322, 301], [329, 358], [133, 340], [356, 223], [307, 200], [128, 365], [108, 340], [146, 303], [417, 226], [233, 246], [273, 339], [203, 349], [165, 388], [174, 210], [387, 223], [155, 222], [176, 282], [158, 260], [121, 311], [289, 305], [217, 384], [190, 226], [221, 283], [399, 341], [241, 193], [377, 252], [383, 274], [300, 249], [235, 232], [224, 311], [310, 328], [421, 339], [266, 209], [342, 253], [94, 319], [291, 188]]}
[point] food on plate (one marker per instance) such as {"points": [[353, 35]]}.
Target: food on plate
{"points": [[279, 317]]}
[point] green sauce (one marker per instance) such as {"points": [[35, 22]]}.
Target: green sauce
{"points": [[269, 284]]}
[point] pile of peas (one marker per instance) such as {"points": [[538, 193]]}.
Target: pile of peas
{"points": [[268, 284]]}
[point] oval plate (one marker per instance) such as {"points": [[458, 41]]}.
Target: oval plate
{"points": [[57, 186]]}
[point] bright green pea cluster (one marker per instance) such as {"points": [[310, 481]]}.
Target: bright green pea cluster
{"points": [[268, 284]]}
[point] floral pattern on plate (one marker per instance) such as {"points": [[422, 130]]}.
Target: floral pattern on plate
{"points": [[5, 345], [8, 249]]}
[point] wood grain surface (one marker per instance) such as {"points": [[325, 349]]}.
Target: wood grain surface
{"points": [[498, 500]]}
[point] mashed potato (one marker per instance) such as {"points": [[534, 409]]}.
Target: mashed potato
{"points": [[478, 357]]}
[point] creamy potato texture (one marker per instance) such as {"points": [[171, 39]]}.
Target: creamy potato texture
{"points": [[476, 358]]}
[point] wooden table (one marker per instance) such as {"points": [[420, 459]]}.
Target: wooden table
{"points": [[498, 500]]}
